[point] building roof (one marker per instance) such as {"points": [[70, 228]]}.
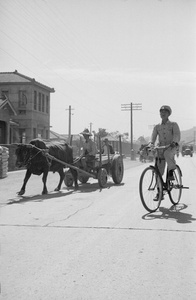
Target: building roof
{"points": [[16, 77], [4, 102], [64, 137]]}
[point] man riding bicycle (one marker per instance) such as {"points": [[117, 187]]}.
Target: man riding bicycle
{"points": [[168, 133]]}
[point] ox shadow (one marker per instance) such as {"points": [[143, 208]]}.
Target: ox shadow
{"points": [[38, 198], [172, 213], [94, 187]]}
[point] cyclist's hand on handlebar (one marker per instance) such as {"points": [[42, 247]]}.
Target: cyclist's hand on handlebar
{"points": [[150, 145]]}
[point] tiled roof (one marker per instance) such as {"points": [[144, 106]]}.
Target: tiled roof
{"points": [[12, 77], [16, 77]]}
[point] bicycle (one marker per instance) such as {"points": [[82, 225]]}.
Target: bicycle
{"points": [[152, 186]]}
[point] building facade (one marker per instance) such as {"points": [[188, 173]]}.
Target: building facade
{"points": [[7, 126], [31, 103]]}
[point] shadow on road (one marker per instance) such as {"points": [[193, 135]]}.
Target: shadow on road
{"points": [[174, 213], [84, 188], [37, 198], [93, 187]]}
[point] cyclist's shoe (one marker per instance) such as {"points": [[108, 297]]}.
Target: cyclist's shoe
{"points": [[156, 198], [171, 175]]}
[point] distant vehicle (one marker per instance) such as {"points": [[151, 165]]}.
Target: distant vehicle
{"points": [[187, 150]]}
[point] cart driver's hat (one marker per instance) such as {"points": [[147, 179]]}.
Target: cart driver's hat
{"points": [[166, 107], [86, 132]]}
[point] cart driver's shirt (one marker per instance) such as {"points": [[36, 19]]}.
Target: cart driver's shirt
{"points": [[167, 133], [90, 147]]}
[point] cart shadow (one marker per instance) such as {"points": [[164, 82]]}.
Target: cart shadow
{"points": [[93, 187], [37, 198], [172, 213]]}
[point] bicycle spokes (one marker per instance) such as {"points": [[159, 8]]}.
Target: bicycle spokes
{"points": [[175, 186], [150, 189]]}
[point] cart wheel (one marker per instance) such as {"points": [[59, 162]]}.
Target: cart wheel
{"points": [[102, 177], [83, 178], [117, 169], [68, 179]]}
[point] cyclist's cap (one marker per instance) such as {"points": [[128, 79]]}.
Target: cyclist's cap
{"points": [[166, 107]]}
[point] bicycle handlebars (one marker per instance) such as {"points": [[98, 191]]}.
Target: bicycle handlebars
{"points": [[151, 148]]}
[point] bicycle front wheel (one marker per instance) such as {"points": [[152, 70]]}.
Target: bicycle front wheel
{"points": [[151, 189], [175, 186]]}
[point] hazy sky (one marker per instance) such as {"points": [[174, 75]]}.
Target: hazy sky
{"points": [[99, 54]]}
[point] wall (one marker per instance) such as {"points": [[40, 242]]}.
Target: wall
{"points": [[5, 117]]}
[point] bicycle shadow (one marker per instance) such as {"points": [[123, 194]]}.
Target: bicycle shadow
{"points": [[173, 213]]}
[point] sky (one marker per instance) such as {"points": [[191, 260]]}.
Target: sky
{"points": [[100, 54]]}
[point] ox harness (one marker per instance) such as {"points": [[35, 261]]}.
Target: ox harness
{"points": [[29, 157]]}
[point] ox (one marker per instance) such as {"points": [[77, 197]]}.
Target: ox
{"points": [[37, 163]]}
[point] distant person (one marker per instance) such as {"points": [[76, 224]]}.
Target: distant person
{"points": [[89, 148], [168, 133], [107, 147]]}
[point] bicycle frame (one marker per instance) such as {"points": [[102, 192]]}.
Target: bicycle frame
{"points": [[164, 183]]}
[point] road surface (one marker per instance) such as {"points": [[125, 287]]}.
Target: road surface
{"points": [[97, 244]]}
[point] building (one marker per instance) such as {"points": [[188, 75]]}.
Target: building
{"points": [[6, 125], [29, 101]]}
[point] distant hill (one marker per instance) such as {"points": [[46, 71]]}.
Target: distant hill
{"points": [[188, 136]]}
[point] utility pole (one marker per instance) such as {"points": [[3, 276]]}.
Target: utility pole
{"points": [[91, 127], [69, 123], [130, 107]]}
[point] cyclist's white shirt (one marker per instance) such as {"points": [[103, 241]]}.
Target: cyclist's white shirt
{"points": [[167, 133]]}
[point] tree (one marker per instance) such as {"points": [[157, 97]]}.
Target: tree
{"points": [[126, 135], [102, 132], [142, 140], [115, 134]]}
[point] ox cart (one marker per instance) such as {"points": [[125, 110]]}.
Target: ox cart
{"points": [[101, 168], [39, 158]]}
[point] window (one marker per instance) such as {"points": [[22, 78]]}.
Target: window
{"points": [[34, 133], [40, 101], [22, 135], [43, 102], [47, 135], [35, 100], [47, 104], [22, 99]]}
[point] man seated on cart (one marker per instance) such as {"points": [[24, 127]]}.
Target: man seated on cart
{"points": [[89, 150], [107, 147]]}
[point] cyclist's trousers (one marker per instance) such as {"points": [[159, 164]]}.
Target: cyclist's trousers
{"points": [[169, 158]]}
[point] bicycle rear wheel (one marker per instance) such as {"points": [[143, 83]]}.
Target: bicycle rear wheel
{"points": [[151, 189], [175, 186]]}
